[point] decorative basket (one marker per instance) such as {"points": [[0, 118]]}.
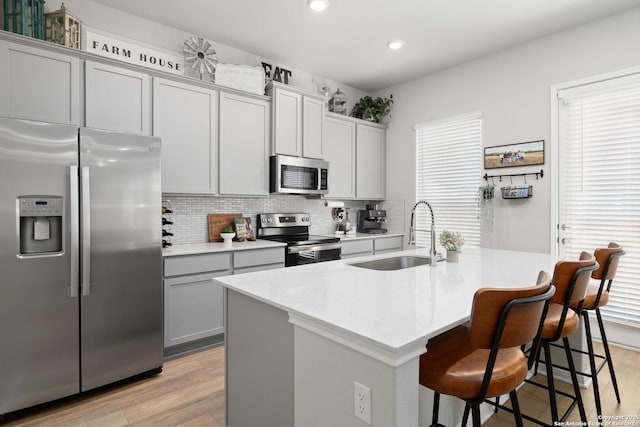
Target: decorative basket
{"points": [[522, 191]]}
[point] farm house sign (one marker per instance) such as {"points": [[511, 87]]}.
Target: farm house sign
{"points": [[128, 52]]}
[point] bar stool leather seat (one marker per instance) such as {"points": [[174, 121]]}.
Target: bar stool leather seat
{"points": [[592, 295], [463, 378], [553, 319], [483, 358]]}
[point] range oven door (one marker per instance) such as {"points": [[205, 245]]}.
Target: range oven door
{"points": [[309, 254]]}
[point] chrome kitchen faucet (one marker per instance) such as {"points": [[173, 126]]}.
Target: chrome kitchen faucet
{"points": [[433, 261]]}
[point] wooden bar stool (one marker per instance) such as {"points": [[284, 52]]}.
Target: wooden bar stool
{"points": [[483, 358], [598, 296], [571, 279]]}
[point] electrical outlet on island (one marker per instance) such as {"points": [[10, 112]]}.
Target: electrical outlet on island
{"points": [[362, 402]]}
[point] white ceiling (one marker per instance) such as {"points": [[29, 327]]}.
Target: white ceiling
{"points": [[347, 42]]}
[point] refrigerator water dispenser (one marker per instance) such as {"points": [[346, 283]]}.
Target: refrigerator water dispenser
{"points": [[40, 224]]}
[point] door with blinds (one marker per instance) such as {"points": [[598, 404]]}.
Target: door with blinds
{"points": [[599, 181]]}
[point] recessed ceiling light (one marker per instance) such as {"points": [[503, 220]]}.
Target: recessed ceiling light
{"points": [[395, 45], [318, 5]]}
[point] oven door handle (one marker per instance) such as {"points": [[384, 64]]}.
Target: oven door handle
{"points": [[315, 248]]}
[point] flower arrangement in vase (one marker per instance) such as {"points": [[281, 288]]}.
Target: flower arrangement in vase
{"points": [[227, 234], [452, 241]]}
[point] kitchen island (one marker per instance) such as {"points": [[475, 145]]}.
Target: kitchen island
{"points": [[298, 338]]}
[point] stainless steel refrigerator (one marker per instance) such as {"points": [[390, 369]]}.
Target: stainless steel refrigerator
{"points": [[80, 260]]}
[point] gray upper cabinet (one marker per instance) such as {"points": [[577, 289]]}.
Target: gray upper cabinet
{"points": [[356, 153], [298, 121], [313, 127], [37, 84], [244, 145], [185, 117], [117, 99], [287, 122], [370, 164], [340, 151]]}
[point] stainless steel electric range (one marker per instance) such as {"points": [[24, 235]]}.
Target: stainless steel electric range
{"points": [[293, 229]]}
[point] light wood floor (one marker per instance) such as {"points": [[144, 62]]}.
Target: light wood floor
{"points": [[190, 393], [534, 400]]}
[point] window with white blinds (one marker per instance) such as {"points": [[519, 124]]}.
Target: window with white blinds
{"points": [[599, 186], [448, 171]]}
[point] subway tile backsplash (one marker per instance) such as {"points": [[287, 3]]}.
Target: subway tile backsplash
{"points": [[190, 213]]}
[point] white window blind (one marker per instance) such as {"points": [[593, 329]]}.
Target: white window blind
{"points": [[448, 172], [600, 182]]}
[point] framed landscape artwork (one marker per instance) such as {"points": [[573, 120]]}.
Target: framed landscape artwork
{"points": [[520, 154]]}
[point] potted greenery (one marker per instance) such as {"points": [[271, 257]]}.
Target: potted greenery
{"points": [[452, 242], [372, 109], [227, 234]]}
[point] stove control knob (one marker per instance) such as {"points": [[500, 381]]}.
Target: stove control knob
{"points": [[268, 219]]}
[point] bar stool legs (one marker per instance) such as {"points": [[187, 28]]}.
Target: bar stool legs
{"points": [[607, 353], [592, 363], [574, 381], [592, 360], [436, 410]]}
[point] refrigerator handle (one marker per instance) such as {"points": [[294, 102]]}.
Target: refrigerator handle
{"points": [[86, 231], [75, 230]]}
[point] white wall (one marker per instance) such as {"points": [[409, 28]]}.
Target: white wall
{"points": [[512, 89], [114, 22]]}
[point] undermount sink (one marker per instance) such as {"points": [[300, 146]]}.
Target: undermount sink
{"points": [[395, 263]]}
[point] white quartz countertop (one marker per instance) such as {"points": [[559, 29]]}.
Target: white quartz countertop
{"points": [[201, 248], [393, 312]]}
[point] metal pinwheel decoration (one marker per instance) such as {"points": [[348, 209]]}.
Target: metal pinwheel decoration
{"points": [[201, 55]]}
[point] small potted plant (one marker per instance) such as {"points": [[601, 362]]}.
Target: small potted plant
{"points": [[227, 234], [372, 109], [452, 242]]}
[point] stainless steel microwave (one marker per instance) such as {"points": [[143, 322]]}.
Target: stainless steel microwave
{"points": [[297, 175]]}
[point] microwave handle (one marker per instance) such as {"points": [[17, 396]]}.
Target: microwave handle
{"points": [[320, 178]]}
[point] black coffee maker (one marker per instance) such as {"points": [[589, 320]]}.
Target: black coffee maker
{"points": [[372, 220]]}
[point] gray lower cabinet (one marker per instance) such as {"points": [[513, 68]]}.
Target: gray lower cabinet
{"points": [[256, 260], [193, 303], [372, 246], [356, 248], [387, 244]]}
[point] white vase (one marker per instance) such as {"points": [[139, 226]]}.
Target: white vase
{"points": [[452, 256], [227, 237]]}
